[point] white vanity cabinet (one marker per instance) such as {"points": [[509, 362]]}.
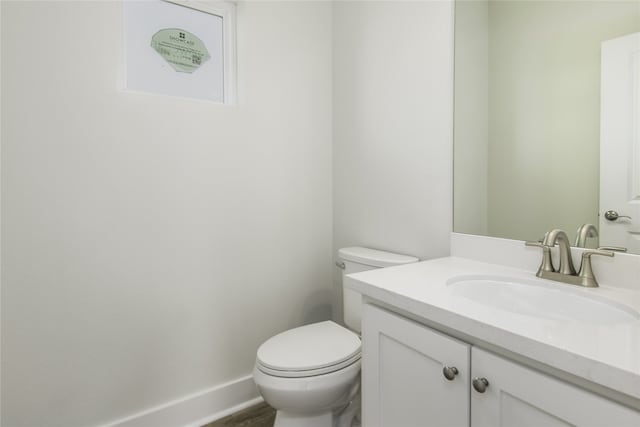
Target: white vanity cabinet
{"points": [[519, 396], [402, 374], [403, 384]]}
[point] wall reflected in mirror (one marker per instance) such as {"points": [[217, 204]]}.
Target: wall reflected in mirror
{"points": [[527, 113]]}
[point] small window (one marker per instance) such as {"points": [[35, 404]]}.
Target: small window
{"points": [[181, 48]]}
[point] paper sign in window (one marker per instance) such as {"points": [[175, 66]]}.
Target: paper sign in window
{"points": [[174, 49]]}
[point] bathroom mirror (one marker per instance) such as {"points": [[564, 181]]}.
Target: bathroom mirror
{"points": [[527, 122]]}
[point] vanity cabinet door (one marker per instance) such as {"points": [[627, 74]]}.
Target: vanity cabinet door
{"points": [[403, 382], [519, 396]]}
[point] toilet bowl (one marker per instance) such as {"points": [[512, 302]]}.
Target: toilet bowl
{"points": [[311, 374]]}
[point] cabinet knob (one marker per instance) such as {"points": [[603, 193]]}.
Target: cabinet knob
{"points": [[480, 384], [450, 372]]}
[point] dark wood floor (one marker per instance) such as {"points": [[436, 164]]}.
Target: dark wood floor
{"points": [[261, 415]]}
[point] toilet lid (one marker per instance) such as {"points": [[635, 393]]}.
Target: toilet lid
{"points": [[312, 347]]}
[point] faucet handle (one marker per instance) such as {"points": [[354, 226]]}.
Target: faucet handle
{"points": [[600, 251], [613, 248], [546, 264], [586, 271]]}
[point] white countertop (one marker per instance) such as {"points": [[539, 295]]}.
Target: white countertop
{"points": [[606, 355]]}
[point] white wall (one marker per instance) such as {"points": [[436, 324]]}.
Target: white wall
{"points": [[150, 244], [392, 125]]}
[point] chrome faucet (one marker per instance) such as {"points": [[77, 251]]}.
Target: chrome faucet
{"points": [[584, 232], [566, 273]]}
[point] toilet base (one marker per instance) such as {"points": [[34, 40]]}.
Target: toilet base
{"points": [[347, 416], [286, 419]]}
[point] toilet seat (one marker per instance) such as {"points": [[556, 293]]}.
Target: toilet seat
{"points": [[311, 350], [310, 372]]}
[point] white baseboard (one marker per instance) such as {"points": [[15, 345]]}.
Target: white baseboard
{"points": [[198, 408]]}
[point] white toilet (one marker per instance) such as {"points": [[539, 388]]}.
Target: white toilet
{"points": [[311, 374]]}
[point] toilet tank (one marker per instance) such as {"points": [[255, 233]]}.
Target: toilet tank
{"points": [[357, 259]]}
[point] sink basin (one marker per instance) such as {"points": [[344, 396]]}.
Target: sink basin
{"points": [[538, 298]]}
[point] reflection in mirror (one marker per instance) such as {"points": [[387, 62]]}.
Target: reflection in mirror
{"points": [[620, 142], [527, 114]]}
